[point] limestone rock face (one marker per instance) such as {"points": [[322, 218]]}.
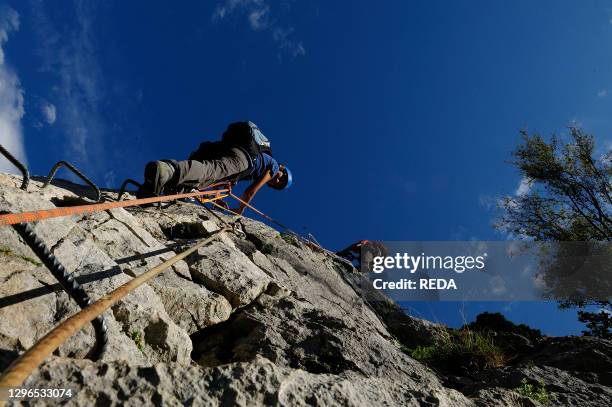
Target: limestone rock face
{"points": [[260, 320]]}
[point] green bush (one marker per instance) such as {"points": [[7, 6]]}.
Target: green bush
{"points": [[539, 394], [137, 338], [425, 353], [291, 239], [464, 349], [497, 322]]}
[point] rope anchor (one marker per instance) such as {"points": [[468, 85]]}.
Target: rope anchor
{"points": [[18, 164], [76, 171], [124, 185], [238, 229]]}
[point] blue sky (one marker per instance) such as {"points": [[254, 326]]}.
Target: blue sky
{"points": [[397, 119]]}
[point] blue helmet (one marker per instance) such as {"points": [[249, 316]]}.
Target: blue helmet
{"points": [[288, 182], [289, 178]]}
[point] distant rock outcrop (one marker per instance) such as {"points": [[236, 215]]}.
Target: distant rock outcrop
{"points": [[255, 321]]}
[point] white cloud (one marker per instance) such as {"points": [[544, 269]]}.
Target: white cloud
{"points": [[602, 93], [498, 285], [258, 16], [538, 281], [524, 187], [606, 155], [487, 201], [528, 270], [49, 112], [227, 8], [11, 96], [71, 56], [284, 41], [256, 8], [514, 248], [9, 21], [109, 179]]}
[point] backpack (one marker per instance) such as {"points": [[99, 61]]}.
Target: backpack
{"points": [[209, 150], [247, 136]]}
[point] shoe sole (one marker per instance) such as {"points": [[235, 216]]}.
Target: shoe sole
{"points": [[152, 172]]}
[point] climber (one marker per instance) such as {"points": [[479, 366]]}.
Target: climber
{"points": [[363, 253], [243, 153]]}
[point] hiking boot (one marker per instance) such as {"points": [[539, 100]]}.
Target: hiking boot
{"points": [[157, 176]]}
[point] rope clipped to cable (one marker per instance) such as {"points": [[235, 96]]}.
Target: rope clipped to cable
{"points": [[304, 240]]}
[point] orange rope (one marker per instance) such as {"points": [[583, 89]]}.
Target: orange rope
{"points": [[225, 209], [298, 236], [13, 218], [259, 212]]}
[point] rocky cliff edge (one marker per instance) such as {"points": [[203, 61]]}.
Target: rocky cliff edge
{"points": [[261, 320]]}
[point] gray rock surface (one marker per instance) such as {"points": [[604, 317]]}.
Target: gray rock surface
{"points": [[255, 321], [576, 371], [252, 383]]}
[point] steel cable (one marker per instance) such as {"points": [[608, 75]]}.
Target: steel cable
{"points": [[23, 366], [67, 281]]}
